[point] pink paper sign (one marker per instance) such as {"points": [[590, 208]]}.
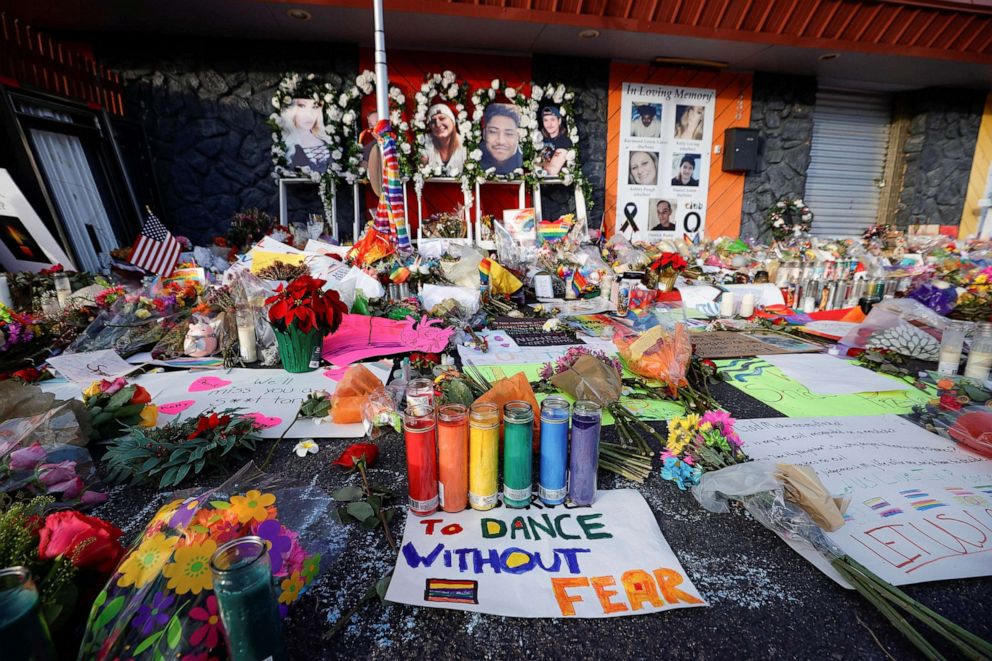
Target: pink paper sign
{"points": [[264, 421], [175, 408], [208, 383], [360, 337]]}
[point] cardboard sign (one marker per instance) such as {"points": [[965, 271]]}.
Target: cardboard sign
{"points": [[921, 507], [730, 344], [607, 560]]}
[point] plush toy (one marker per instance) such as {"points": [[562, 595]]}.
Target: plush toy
{"points": [[201, 340]]}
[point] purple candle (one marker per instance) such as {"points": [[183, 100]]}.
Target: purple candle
{"points": [[587, 419]]}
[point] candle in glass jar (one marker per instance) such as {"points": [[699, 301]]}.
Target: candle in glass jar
{"points": [[420, 435], [483, 456], [23, 630], [584, 458], [420, 394], [5, 298], [518, 464], [747, 304], [727, 304], [552, 485], [951, 344], [63, 290], [452, 452]]}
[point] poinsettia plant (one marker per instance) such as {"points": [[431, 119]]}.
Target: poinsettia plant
{"points": [[303, 304], [669, 261]]}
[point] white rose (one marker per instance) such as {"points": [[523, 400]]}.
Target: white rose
{"points": [[523, 133], [421, 98], [464, 128], [437, 170], [309, 76], [477, 115], [425, 88], [404, 127], [798, 203], [394, 117], [476, 154], [336, 154], [348, 118], [491, 171], [453, 91], [570, 155], [807, 217], [569, 96], [448, 77], [574, 136], [287, 100], [470, 165], [405, 148], [510, 92], [781, 205], [536, 92], [275, 102], [538, 141], [495, 84], [551, 325], [420, 125], [343, 100]]}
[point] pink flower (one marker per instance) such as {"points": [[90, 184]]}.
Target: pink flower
{"points": [[27, 458], [51, 474], [211, 629], [110, 387], [93, 498], [70, 489]]}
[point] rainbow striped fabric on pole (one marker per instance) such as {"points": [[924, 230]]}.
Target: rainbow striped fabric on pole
{"points": [[389, 217]]}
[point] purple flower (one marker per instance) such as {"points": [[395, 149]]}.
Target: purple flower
{"points": [[182, 516], [940, 300], [150, 616], [70, 489], [93, 498], [51, 474], [280, 542], [27, 458]]}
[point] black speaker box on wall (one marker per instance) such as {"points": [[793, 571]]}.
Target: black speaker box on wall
{"points": [[741, 149]]}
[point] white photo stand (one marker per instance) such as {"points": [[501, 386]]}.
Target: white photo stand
{"points": [[284, 201], [580, 200], [521, 202], [420, 209]]}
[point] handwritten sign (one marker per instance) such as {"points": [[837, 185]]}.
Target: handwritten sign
{"points": [[728, 344], [87, 367], [271, 396], [757, 378], [606, 560], [361, 337], [921, 507]]}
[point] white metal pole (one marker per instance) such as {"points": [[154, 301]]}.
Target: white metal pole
{"points": [[381, 77]]}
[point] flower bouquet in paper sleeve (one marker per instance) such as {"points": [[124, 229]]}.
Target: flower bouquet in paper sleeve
{"points": [[301, 314], [160, 602], [114, 405]]}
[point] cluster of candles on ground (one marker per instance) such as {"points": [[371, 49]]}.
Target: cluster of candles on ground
{"points": [[453, 452]]}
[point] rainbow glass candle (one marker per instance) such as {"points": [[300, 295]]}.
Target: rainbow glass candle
{"points": [[587, 420], [420, 434], [23, 631], [452, 457], [483, 456], [518, 462], [552, 482]]}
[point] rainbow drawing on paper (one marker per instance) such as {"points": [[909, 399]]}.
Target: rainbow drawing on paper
{"points": [[882, 507], [967, 497], [452, 591], [921, 500], [986, 488]]}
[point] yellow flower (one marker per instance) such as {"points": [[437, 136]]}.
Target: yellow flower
{"points": [[681, 431], [145, 562], [981, 279], [149, 416], [252, 506], [142, 314], [190, 569], [291, 588], [93, 390]]}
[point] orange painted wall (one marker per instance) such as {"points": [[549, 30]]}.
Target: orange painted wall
{"points": [[733, 109]]}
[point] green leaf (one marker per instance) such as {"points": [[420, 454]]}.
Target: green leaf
{"points": [[382, 585], [148, 642], [375, 502], [370, 523], [129, 410], [361, 510], [121, 397], [109, 613], [348, 493], [174, 632], [100, 600]]}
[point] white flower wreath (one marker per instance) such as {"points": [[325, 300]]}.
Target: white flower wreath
{"points": [[448, 88], [365, 86], [563, 99], [529, 127], [297, 86]]}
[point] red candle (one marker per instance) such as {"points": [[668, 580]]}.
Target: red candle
{"points": [[452, 433], [420, 434]]}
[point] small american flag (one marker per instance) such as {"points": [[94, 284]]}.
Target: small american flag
{"points": [[156, 249]]}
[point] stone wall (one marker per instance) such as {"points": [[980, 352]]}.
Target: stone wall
{"points": [[204, 104], [937, 154], [782, 109]]}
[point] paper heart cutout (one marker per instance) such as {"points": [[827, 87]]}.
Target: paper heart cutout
{"points": [[175, 408], [208, 383], [335, 374], [264, 421]]}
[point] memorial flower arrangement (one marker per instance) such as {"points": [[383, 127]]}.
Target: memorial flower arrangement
{"points": [[571, 171], [247, 228], [115, 405], [439, 88], [527, 110], [69, 554], [789, 217], [159, 603], [699, 443], [175, 451], [23, 340], [405, 151], [63, 473], [302, 314]]}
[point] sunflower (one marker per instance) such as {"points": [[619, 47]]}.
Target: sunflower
{"points": [[291, 588], [145, 562], [681, 431], [190, 569], [251, 506]]}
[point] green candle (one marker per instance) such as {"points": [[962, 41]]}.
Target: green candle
{"points": [[23, 632], [246, 600], [518, 435]]}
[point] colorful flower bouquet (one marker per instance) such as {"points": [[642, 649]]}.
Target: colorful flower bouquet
{"points": [[23, 340], [180, 448], [301, 315], [160, 603], [700, 443], [115, 405], [69, 554]]}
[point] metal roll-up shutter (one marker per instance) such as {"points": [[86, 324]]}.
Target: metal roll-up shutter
{"points": [[847, 160]]}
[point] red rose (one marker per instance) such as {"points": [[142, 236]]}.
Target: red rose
{"points": [[90, 543], [140, 396], [356, 452]]}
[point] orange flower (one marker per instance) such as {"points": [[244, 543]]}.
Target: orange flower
{"points": [[945, 384]]}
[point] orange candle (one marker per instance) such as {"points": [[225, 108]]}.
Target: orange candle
{"points": [[452, 441]]}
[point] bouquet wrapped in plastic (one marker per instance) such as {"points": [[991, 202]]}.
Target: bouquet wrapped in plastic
{"points": [[659, 355], [159, 603]]}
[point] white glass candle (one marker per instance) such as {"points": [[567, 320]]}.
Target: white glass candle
{"points": [[63, 290], [747, 305], [5, 298], [951, 344], [727, 304], [980, 357]]}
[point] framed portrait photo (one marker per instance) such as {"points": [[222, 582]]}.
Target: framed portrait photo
{"points": [[501, 148], [645, 120], [685, 170], [642, 168]]}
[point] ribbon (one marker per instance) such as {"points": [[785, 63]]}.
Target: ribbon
{"points": [[630, 214]]}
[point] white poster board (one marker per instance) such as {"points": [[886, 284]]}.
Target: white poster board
{"points": [[25, 242], [666, 137], [921, 507], [272, 396], [606, 560]]}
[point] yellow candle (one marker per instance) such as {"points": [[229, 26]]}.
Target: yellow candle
{"points": [[483, 456]]}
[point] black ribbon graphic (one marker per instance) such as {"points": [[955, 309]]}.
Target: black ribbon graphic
{"points": [[630, 212]]}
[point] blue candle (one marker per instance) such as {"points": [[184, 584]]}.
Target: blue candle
{"points": [[587, 418], [23, 632], [552, 486]]}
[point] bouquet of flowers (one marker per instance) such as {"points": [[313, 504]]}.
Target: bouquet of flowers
{"points": [[248, 227], [23, 341], [700, 443], [114, 405], [69, 554], [446, 224], [301, 314], [159, 603], [176, 450]]}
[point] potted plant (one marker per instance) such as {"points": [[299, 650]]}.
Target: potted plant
{"points": [[667, 268], [301, 315]]}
